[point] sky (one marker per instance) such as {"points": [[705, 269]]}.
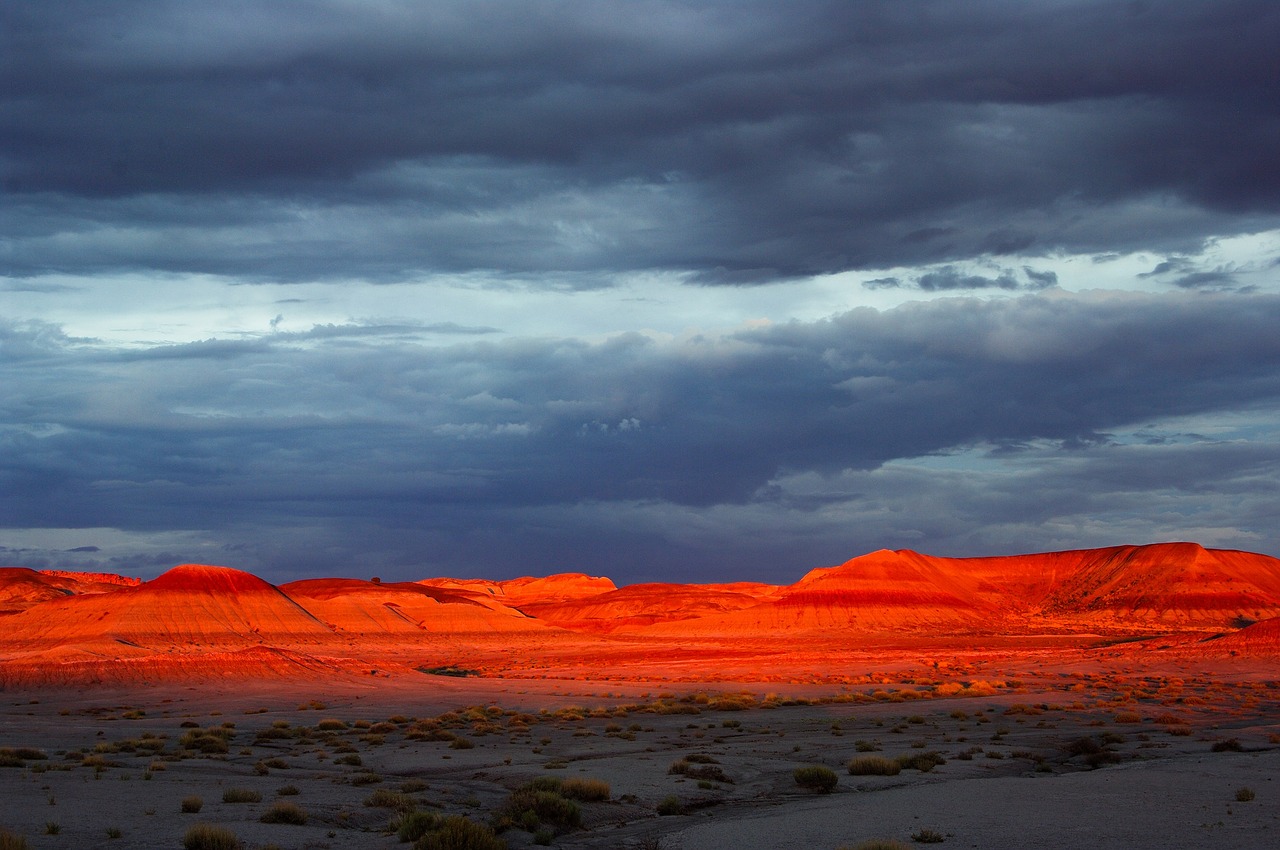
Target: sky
{"points": [[664, 291]]}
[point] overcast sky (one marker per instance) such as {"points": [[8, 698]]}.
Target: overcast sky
{"points": [[655, 290]]}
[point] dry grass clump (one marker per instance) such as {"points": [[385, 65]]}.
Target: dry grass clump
{"points": [[816, 777], [204, 836], [458, 833], [1244, 795], [332, 724], [928, 836], [208, 741], [15, 756], [286, 813], [1128, 717], [1230, 745], [11, 841], [384, 798], [697, 766], [874, 766], [923, 762], [876, 844], [241, 795], [192, 805], [670, 805], [586, 790]]}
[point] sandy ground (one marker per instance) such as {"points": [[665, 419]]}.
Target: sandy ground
{"points": [[1172, 750]]}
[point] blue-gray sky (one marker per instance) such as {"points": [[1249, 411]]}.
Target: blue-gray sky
{"points": [[657, 290]]}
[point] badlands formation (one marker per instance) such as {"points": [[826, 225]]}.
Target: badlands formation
{"points": [[1163, 600], [1121, 697]]}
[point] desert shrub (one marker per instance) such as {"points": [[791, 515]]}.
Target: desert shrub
{"points": [[24, 753], [350, 759], [114, 832], [878, 844], [928, 836], [713, 772], [287, 791], [387, 799], [816, 777], [284, 813], [670, 805], [241, 795], [192, 805], [457, 833], [1231, 745], [529, 806], [1128, 717], [208, 742], [1083, 747], [923, 762], [460, 743], [586, 790], [332, 724], [203, 836], [1244, 795], [365, 778], [412, 825], [873, 766]]}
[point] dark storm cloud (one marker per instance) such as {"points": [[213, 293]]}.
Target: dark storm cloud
{"points": [[472, 449], [948, 278], [735, 142]]}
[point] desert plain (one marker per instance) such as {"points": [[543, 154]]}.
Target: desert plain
{"points": [[1107, 698]]}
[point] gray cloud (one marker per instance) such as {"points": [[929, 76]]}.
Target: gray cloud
{"points": [[446, 457], [737, 143]]}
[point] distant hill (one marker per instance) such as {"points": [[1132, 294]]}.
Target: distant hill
{"points": [[90, 621]]}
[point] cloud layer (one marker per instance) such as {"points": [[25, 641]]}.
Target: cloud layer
{"points": [[731, 142], [160, 161], [472, 451]]}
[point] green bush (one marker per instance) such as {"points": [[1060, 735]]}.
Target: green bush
{"points": [[458, 833], [413, 825], [529, 806], [816, 778], [874, 766], [670, 805], [203, 836]]}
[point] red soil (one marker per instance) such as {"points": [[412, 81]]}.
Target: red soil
{"points": [[88, 627]]}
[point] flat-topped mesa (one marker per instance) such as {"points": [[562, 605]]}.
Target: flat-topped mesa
{"points": [[517, 592], [93, 578], [644, 604], [354, 606]]}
